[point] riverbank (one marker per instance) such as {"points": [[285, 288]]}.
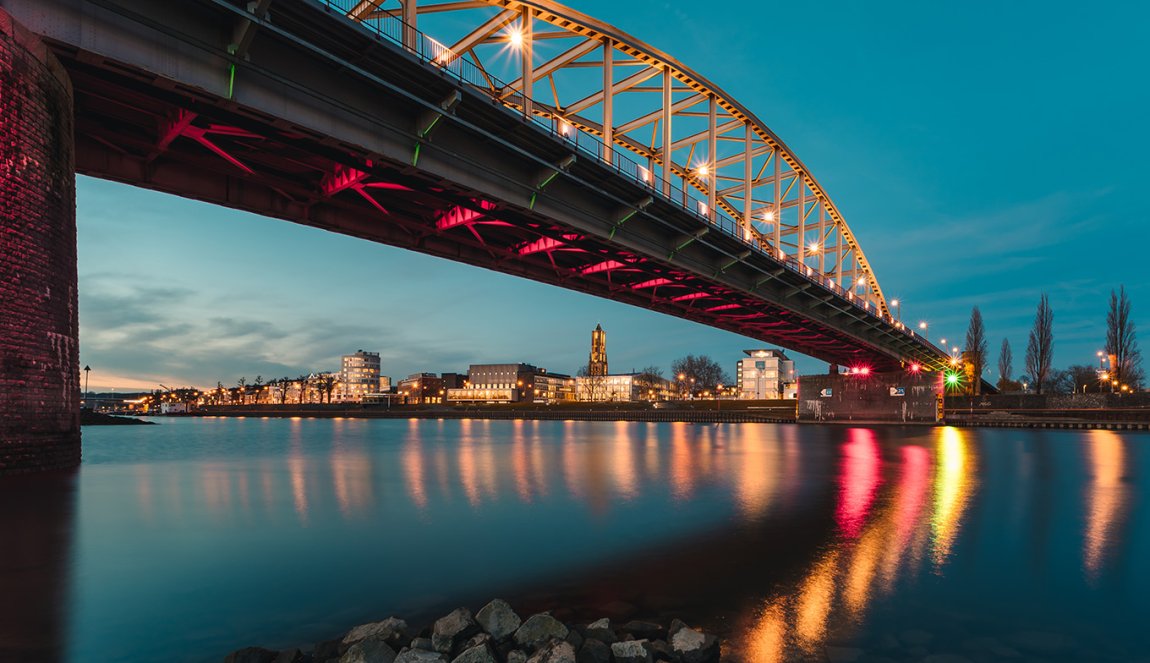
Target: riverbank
{"points": [[497, 634], [90, 418]]}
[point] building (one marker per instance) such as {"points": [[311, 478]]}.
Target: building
{"points": [[358, 375], [512, 383], [422, 388], [597, 364], [765, 375], [622, 388]]}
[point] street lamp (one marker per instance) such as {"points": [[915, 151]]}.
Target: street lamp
{"points": [[897, 309]]}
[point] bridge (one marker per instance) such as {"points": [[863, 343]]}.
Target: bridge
{"points": [[519, 136]]}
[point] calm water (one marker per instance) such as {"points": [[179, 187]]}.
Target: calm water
{"points": [[190, 539]]}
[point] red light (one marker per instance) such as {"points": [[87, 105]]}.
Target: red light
{"points": [[864, 370], [854, 369], [914, 368]]}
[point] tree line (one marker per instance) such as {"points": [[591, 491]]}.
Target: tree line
{"points": [[1121, 353]]}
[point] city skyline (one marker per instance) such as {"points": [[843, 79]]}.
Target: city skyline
{"points": [[171, 288]]}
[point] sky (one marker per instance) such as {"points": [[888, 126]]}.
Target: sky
{"points": [[982, 153]]}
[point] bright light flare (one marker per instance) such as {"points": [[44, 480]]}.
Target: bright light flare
{"points": [[769, 216], [894, 302], [915, 368], [813, 247], [515, 38], [702, 170], [922, 325]]}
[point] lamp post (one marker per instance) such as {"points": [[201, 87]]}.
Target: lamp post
{"points": [[87, 368], [897, 309]]}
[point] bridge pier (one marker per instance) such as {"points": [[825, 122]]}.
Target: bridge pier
{"points": [[894, 397], [39, 353]]}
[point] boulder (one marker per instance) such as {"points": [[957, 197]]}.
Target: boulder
{"points": [[479, 653], [391, 630], [251, 655], [631, 651], [691, 646], [370, 650], [498, 619], [555, 651], [593, 651], [420, 656], [643, 630], [422, 643], [516, 656], [290, 656], [538, 629], [477, 639], [600, 623], [600, 629], [575, 639], [676, 624], [661, 650], [452, 629]]}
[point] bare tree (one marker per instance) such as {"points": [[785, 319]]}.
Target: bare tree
{"points": [[285, 382], [303, 382], [1040, 346], [242, 388], [259, 385], [1122, 342], [1005, 364], [976, 348], [699, 372]]}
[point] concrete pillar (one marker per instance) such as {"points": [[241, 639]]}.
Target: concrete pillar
{"points": [[39, 354]]}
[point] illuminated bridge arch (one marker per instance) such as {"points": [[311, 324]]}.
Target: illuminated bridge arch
{"points": [[643, 111]]}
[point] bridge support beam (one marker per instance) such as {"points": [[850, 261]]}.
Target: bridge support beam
{"points": [[863, 397], [39, 353]]}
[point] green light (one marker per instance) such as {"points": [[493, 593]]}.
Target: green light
{"points": [[952, 379]]}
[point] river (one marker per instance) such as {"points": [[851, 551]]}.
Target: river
{"points": [[184, 541]]}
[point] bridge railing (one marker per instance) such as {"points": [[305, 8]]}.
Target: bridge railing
{"points": [[462, 68]]}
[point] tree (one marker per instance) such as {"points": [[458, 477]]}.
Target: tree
{"points": [[242, 389], [326, 386], [1081, 379], [1122, 342], [1005, 365], [303, 381], [259, 385], [1040, 346], [285, 382], [705, 372], [976, 348]]}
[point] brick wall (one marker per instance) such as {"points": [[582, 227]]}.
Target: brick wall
{"points": [[872, 397], [39, 355]]}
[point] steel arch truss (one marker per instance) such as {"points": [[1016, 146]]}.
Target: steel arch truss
{"points": [[647, 113]]}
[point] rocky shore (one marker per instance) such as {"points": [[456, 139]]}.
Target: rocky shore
{"points": [[497, 634], [90, 418]]}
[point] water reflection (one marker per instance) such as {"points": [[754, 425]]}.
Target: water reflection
{"points": [[882, 538], [790, 538], [1106, 497]]}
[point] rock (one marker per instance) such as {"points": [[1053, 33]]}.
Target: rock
{"points": [[600, 629], [593, 651], [371, 650], [420, 656], [575, 639], [290, 656], [453, 628], [391, 630], [661, 650], [691, 646], [477, 639], [643, 630], [676, 624], [251, 655], [516, 656], [555, 651], [631, 651], [422, 643], [843, 654], [327, 650], [538, 629], [498, 619], [480, 653], [600, 623]]}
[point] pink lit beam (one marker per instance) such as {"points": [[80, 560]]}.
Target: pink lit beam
{"points": [[687, 298], [461, 216], [723, 307], [174, 129], [605, 266], [539, 245], [653, 283], [341, 178], [371, 199], [197, 134]]}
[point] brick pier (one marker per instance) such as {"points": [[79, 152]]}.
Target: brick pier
{"points": [[39, 354]]}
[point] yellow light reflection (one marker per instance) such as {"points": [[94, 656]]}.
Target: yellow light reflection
{"points": [[1105, 499], [623, 460], [767, 640], [816, 595], [413, 468], [952, 488]]}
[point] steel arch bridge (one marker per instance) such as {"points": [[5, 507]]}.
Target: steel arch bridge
{"points": [[520, 136]]}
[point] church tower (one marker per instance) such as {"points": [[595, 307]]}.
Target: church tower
{"points": [[597, 366]]}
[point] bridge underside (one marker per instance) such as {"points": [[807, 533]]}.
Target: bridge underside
{"points": [[153, 132]]}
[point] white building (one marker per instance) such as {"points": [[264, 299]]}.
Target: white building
{"points": [[766, 374], [358, 376], [623, 387]]}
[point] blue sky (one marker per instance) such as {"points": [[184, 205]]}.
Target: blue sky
{"points": [[982, 153]]}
